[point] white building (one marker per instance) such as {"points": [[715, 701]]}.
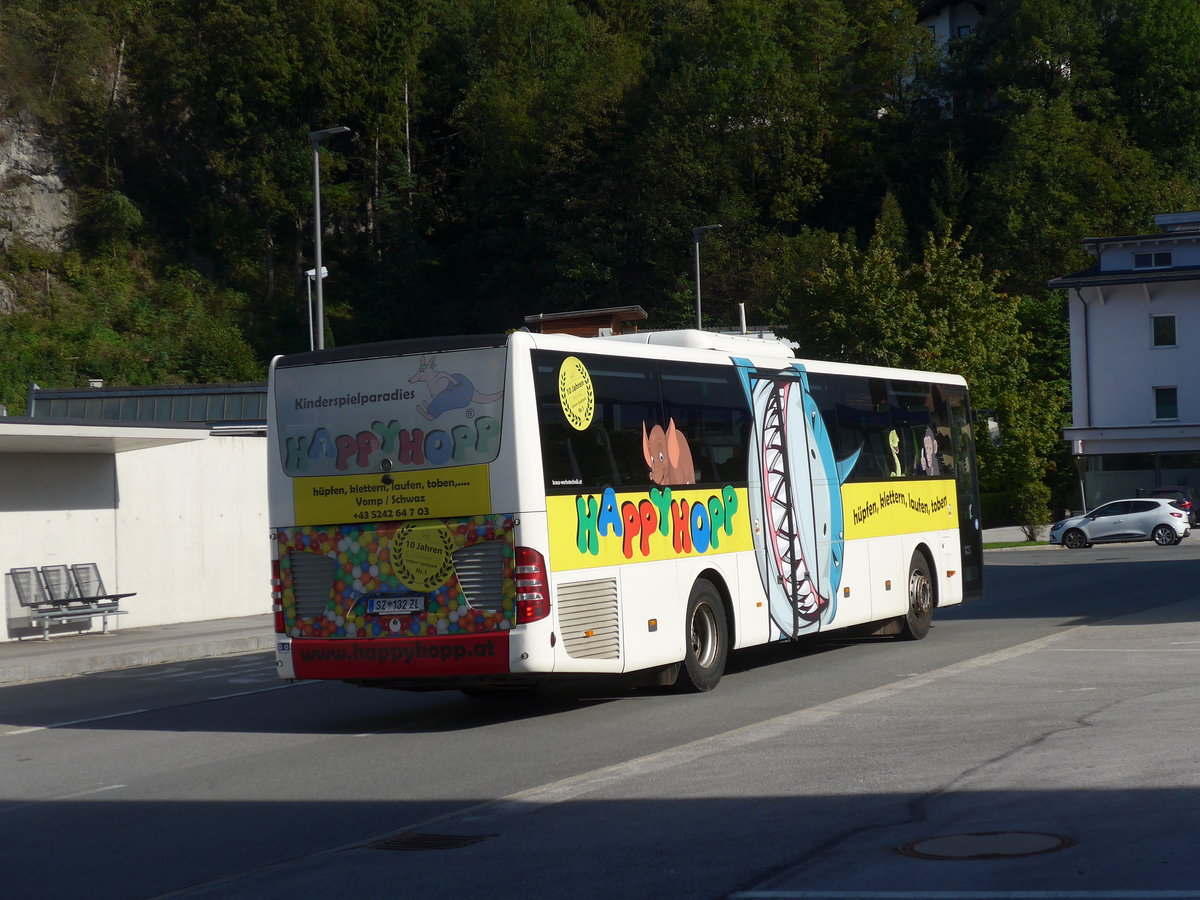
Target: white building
{"points": [[163, 488], [1135, 336], [950, 19]]}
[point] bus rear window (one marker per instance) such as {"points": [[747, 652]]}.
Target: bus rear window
{"points": [[399, 414]]}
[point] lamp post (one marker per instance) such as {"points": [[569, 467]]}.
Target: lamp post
{"points": [[315, 138], [697, 234], [309, 277]]}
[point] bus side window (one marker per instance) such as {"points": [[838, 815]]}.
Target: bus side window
{"points": [[558, 454], [597, 464], [943, 399], [709, 407], [863, 425]]}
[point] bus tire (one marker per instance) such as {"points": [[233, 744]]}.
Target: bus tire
{"points": [[706, 639], [916, 623]]}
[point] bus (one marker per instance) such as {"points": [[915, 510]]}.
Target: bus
{"points": [[488, 513]]}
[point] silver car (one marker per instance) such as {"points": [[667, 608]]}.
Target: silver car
{"points": [[1145, 519]]}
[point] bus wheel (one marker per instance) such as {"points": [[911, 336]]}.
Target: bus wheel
{"points": [[916, 622], [706, 640]]}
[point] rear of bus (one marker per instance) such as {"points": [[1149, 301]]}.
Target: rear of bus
{"points": [[394, 498]]}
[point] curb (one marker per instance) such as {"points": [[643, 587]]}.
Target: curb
{"points": [[43, 670], [1040, 546]]}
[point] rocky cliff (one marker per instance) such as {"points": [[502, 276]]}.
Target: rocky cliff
{"points": [[35, 205]]}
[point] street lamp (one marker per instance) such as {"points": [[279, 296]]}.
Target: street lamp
{"points": [[315, 138], [697, 234], [309, 277]]}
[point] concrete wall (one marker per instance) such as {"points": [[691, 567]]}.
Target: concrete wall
{"points": [[55, 509], [185, 526]]}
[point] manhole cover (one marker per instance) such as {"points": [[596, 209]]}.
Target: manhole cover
{"points": [[986, 845], [413, 841]]}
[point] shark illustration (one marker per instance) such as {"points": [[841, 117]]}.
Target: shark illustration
{"points": [[795, 493]]}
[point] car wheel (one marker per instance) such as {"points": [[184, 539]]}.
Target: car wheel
{"points": [[1074, 539], [1164, 535], [706, 641], [917, 621]]}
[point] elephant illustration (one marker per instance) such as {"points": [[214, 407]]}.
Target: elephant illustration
{"points": [[668, 455]]}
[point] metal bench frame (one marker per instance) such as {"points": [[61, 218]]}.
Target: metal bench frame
{"points": [[65, 594]]}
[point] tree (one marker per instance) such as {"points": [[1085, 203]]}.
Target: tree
{"points": [[1053, 180], [941, 313], [226, 91], [735, 133], [1153, 50]]}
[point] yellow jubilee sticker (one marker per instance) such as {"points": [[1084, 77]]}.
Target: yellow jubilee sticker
{"points": [[575, 393], [422, 555]]}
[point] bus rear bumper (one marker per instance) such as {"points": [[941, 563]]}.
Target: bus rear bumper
{"points": [[368, 659]]}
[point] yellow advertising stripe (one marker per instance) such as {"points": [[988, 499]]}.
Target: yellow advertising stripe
{"points": [[607, 528], [880, 508], [427, 494]]}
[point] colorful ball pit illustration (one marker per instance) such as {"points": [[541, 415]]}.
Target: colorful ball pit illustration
{"points": [[363, 563]]}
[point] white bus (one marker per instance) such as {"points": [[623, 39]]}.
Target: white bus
{"points": [[491, 512]]}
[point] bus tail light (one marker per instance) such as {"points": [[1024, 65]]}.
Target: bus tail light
{"points": [[277, 596], [533, 588]]}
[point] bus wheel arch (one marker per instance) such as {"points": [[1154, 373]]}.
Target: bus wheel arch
{"points": [[921, 589], [707, 636], [718, 581]]}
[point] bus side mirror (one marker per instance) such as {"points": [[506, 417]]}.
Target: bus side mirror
{"points": [[987, 417]]}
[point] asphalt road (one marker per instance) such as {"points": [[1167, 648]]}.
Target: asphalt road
{"points": [[1065, 703]]}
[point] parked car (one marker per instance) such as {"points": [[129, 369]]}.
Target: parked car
{"points": [[1185, 494], [1146, 519]]}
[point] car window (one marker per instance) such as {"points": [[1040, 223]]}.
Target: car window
{"points": [[1120, 508], [1142, 506]]}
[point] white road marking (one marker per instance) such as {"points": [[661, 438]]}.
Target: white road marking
{"points": [[729, 741], [74, 796], [135, 712], [278, 687], [569, 788], [1121, 650], [131, 712]]}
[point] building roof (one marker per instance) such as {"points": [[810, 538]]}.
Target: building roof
{"points": [[159, 404], [23, 435], [1092, 276]]}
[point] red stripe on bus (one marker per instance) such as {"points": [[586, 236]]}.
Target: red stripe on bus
{"points": [[468, 654]]}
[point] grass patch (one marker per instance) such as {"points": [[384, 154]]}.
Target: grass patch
{"points": [[1008, 545]]}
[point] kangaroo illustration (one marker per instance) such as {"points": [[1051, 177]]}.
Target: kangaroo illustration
{"points": [[447, 392]]}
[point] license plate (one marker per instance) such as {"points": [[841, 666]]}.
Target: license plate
{"points": [[403, 605]]}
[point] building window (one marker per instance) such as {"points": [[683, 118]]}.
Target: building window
{"points": [[1162, 330], [963, 31], [1166, 403], [1160, 260]]}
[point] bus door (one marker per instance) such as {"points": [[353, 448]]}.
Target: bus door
{"points": [[967, 484]]}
